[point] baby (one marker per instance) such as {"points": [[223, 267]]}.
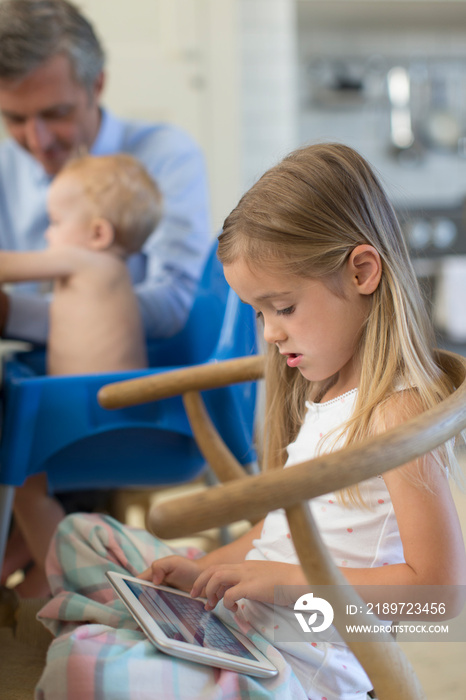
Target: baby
{"points": [[101, 210]]}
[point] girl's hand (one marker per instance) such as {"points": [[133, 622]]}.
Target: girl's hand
{"points": [[254, 580], [175, 571]]}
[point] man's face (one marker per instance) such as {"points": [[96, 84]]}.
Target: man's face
{"points": [[49, 114]]}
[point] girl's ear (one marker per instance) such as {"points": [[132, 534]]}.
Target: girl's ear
{"points": [[103, 233], [365, 267]]}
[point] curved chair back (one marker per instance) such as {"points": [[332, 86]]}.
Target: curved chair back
{"points": [[250, 498]]}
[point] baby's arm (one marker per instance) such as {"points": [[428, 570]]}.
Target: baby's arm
{"points": [[46, 264]]}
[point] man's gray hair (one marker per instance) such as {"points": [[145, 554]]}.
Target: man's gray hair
{"points": [[33, 31]]}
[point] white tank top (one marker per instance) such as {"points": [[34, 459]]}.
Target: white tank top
{"points": [[355, 536]]}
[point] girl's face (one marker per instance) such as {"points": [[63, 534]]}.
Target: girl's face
{"points": [[315, 330]]}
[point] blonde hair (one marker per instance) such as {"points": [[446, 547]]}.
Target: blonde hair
{"points": [[304, 217], [120, 190]]}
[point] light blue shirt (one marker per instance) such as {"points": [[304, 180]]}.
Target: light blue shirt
{"points": [[165, 273]]}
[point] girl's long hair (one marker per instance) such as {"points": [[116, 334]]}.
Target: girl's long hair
{"points": [[304, 217]]}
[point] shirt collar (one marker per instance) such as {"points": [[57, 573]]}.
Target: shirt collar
{"points": [[110, 135], [38, 175]]}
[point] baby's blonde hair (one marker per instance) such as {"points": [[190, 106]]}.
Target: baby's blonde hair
{"points": [[304, 217], [120, 190]]}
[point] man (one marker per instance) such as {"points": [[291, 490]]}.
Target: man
{"points": [[51, 82]]}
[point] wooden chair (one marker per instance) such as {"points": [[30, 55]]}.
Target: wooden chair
{"points": [[249, 497]]}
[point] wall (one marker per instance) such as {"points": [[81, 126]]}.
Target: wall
{"points": [[176, 61], [225, 71], [268, 94]]}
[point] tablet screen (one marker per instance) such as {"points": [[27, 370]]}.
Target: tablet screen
{"points": [[185, 619]]}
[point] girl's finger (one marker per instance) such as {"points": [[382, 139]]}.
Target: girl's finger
{"points": [[197, 589], [204, 580], [215, 599], [146, 575], [158, 570], [220, 581], [231, 596]]}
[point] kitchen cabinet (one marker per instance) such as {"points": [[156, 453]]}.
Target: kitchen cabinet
{"points": [[364, 19], [346, 51]]}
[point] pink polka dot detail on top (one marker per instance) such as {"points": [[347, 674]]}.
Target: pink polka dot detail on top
{"points": [[349, 529], [380, 501]]}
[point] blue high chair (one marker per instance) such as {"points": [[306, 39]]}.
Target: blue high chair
{"points": [[56, 425]]}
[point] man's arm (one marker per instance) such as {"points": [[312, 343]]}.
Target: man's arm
{"points": [[4, 308], [23, 221], [175, 254]]}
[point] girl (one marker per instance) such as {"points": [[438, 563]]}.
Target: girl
{"points": [[316, 249]]}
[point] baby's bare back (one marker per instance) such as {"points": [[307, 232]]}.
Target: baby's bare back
{"points": [[95, 323]]}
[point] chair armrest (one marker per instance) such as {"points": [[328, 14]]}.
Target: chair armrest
{"points": [[252, 497], [174, 382], [249, 498]]}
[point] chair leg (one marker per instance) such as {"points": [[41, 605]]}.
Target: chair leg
{"points": [[7, 494], [211, 479]]}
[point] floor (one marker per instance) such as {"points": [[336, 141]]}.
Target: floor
{"points": [[441, 666]]}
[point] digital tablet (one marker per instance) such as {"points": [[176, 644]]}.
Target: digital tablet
{"points": [[179, 625]]}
